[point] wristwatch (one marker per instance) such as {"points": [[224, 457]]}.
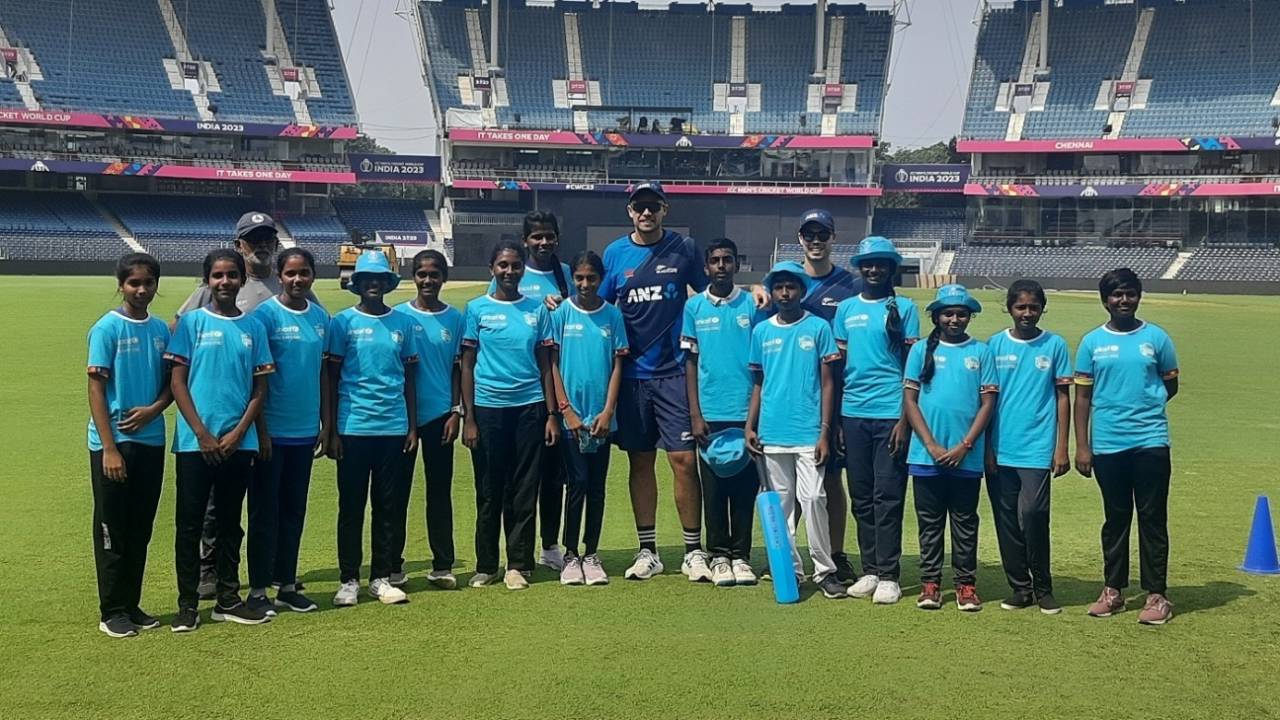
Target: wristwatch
{"points": [[460, 410]]}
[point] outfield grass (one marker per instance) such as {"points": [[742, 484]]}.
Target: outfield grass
{"points": [[663, 648]]}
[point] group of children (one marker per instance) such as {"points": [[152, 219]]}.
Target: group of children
{"points": [[529, 378]]}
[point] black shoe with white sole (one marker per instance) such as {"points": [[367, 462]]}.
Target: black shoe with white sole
{"points": [[118, 626], [1048, 605], [832, 588], [1018, 601], [260, 603], [239, 613], [186, 620], [142, 619], [295, 601]]}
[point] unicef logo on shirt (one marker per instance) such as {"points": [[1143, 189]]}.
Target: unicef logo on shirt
{"points": [[859, 320], [940, 360], [1147, 350], [1043, 363], [806, 343], [246, 339], [744, 322], [530, 319], [971, 363]]}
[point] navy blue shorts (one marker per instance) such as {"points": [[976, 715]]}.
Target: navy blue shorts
{"points": [[654, 414]]}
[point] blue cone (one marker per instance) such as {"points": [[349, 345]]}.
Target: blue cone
{"points": [[1260, 554]]}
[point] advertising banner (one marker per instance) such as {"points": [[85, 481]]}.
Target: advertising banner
{"points": [[937, 178], [395, 168], [21, 116], [681, 189], [668, 140], [186, 172]]}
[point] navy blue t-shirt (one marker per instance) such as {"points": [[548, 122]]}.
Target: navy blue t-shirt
{"points": [[649, 284], [826, 292]]}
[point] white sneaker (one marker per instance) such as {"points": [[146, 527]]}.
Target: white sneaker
{"points": [[348, 594], [386, 593], [722, 573], [398, 579], [695, 566], [864, 586], [481, 579], [442, 579], [515, 580], [743, 574], [646, 565], [572, 572], [552, 557], [888, 592]]}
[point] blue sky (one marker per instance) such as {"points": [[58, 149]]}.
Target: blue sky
{"points": [[930, 72]]}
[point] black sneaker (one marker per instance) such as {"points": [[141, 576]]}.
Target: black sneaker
{"points": [[186, 620], [261, 604], [1048, 605], [118, 626], [139, 617], [832, 588], [239, 613], [294, 601], [1017, 601], [844, 569]]}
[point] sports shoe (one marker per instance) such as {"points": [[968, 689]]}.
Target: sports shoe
{"points": [[930, 596], [1048, 605], [593, 570], [260, 603], [481, 579], [722, 573], [864, 586], [348, 595], [186, 620], [695, 566], [398, 579], [967, 599], [239, 613], [142, 619], [572, 572], [118, 626], [1108, 603], [1157, 610], [386, 593], [888, 592], [646, 565], [1017, 601], [552, 557], [844, 569], [515, 580], [442, 579], [742, 573], [295, 601], [832, 588]]}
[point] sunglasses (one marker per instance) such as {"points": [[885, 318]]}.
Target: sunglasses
{"points": [[821, 236], [642, 206]]}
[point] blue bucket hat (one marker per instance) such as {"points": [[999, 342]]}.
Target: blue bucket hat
{"points": [[726, 453], [786, 267], [954, 295], [373, 262], [876, 248]]}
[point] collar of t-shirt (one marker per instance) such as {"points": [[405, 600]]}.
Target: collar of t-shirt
{"points": [[717, 300]]}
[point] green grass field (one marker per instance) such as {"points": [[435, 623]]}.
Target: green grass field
{"points": [[664, 648]]}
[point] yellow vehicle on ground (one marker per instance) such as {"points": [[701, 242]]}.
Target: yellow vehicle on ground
{"points": [[348, 253]]}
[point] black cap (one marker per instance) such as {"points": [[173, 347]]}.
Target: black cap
{"points": [[820, 217], [253, 220], [652, 186]]}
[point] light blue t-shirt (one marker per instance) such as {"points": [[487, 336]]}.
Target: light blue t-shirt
{"points": [[791, 359], [438, 346], [950, 401], [224, 355], [588, 341], [872, 370], [1127, 371], [538, 284], [374, 350], [506, 335], [1026, 421], [717, 332], [297, 339], [129, 355]]}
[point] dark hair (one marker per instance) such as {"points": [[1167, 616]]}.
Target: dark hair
{"points": [[1118, 278], [720, 244], [893, 327], [223, 254], [436, 257], [534, 218], [504, 245], [126, 264], [1028, 286], [589, 258], [303, 253], [926, 372]]}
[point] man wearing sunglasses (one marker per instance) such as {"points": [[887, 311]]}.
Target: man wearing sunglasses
{"points": [[829, 285], [647, 275]]}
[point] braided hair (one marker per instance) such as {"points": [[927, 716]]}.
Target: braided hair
{"points": [[926, 372]]}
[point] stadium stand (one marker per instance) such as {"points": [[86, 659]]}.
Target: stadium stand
{"points": [[1241, 263], [1059, 262], [236, 57], [308, 26], [321, 234], [54, 226], [178, 228], [368, 215], [9, 96], [946, 225], [1001, 40], [445, 26], [530, 67]]}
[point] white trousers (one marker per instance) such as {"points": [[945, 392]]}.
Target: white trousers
{"points": [[793, 474]]}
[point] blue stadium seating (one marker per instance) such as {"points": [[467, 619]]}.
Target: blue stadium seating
{"points": [[368, 215], [946, 225], [867, 39], [236, 57], [321, 234], [530, 67], [445, 28], [780, 57], [1086, 46], [54, 226], [308, 26], [1059, 262], [1240, 263], [103, 56], [178, 227], [1001, 41], [9, 96]]}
